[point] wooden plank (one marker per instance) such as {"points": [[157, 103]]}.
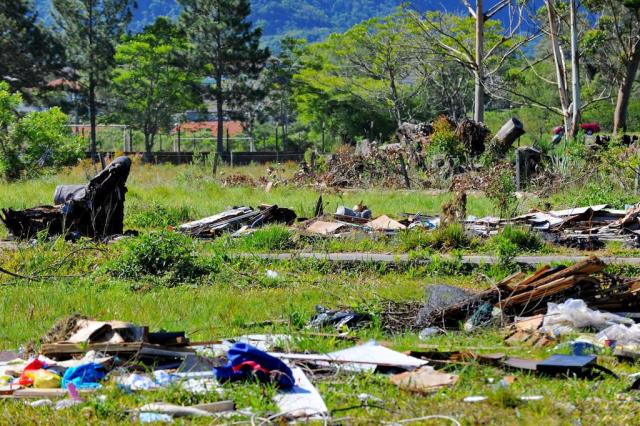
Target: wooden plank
{"points": [[216, 407], [585, 267], [46, 393], [531, 278], [542, 291], [128, 347]]}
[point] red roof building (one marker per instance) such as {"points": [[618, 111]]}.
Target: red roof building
{"points": [[233, 127]]}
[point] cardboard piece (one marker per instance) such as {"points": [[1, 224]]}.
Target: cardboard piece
{"points": [[303, 400], [363, 358], [424, 380], [384, 223], [324, 228]]}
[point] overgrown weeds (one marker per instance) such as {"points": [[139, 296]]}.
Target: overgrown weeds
{"points": [[168, 255]]}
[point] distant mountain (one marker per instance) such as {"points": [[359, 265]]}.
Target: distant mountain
{"points": [[310, 19]]}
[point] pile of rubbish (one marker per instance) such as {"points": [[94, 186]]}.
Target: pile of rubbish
{"points": [[519, 295], [92, 210], [580, 227], [80, 356], [238, 220]]}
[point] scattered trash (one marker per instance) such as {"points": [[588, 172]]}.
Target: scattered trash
{"points": [[154, 418], [325, 317], [573, 315], [531, 398], [302, 400], [272, 274], [246, 361], [424, 380], [236, 218], [425, 333], [475, 398], [361, 212]]}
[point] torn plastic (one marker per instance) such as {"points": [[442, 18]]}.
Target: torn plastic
{"points": [[621, 334], [573, 315]]}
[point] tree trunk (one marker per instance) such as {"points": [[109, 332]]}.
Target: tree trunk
{"points": [[624, 91], [148, 146], [220, 112], [575, 73], [478, 114], [504, 139], [559, 63], [92, 117]]}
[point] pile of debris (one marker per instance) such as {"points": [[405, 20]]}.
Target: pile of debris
{"points": [[238, 220], [520, 295], [359, 218], [580, 227], [93, 210], [368, 165], [80, 356]]}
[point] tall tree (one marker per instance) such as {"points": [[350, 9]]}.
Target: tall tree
{"points": [[229, 48], [28, 51], [615, 42], [152, 79], [481, 53], [279, 83], [91, 30]]}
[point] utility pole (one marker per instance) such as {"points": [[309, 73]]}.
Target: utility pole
{"points": [[575, 71]]}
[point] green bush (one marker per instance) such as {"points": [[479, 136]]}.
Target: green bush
{"points": [[444, 140], [523, 239], [272, 238], [161, 254], [443, 238], [30, 143], [157, 216]]}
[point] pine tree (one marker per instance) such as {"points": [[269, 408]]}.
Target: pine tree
{"points": [[91, 29], [228, 48], [28, 51]]}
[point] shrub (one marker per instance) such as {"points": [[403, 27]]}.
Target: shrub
{"points": [[157, 216], [37, 140], [501, 191], [161, 254], [272, 238], [522, 238], [444, 139], [448, 237]]}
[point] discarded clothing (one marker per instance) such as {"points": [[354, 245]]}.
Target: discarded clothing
{"points": [[246, 361], [84, 376]]}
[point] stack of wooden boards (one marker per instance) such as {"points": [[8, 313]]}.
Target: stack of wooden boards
{"points": [[519, 294], [235, 219]]}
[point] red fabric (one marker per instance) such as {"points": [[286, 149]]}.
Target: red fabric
{"points": [[254, 366], [36, 364], [594, 127]]}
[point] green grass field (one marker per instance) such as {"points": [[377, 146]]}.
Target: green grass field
{"points": [[226, 294]]}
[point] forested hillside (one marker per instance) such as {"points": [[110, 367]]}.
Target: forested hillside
{"points": [[310, 19]]}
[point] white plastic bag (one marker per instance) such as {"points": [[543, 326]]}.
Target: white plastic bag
{"points": [[622, 334], [573, 315]]}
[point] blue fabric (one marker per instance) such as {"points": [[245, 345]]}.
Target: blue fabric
{"points": [[243, 355], [84, 376]]}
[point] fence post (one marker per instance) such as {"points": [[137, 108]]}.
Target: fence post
{"points": [[231, 158], [214, 167]]}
